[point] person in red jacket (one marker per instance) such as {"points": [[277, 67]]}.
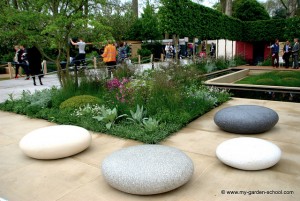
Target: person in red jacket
{"points": [[110, 57]]}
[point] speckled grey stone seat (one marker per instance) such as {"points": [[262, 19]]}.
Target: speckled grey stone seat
{"points": [[147, 169], [246, 119]]}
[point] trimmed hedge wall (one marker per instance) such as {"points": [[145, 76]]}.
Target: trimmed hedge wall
{"points": [[186, 18]]}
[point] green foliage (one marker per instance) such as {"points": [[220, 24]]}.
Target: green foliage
{"points": [[108, 116], [144, 52], [123, 72], [78, 101], [250, 10], [149, 21], [267, 62], [176, 18], [265, 30], [173, 96], [221, 63], [150, 124], [138, 116], [182, 18], [146, 27], [265, 81], [134, 31]]}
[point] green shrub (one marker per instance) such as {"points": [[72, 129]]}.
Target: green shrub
{"points": [[291, 81], [144, 52], [266, 81], [78, 101], [221, 63], [239, 60], [123, 72], [267, 62], [287, 74]]}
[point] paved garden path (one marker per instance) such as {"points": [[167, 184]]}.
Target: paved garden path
{"points": [[78, 178], [16, 86]]}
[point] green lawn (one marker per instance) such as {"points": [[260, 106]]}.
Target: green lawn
{"points": [[274, 78]]}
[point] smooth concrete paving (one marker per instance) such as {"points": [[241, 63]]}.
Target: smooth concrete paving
{"points": [[79, 178], [15, 87]]}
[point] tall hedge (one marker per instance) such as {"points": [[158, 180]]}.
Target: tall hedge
{"points": [[264, 30], [186, 18]]}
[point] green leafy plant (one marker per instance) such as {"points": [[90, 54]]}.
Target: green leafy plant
{"points": [[150, 124], [138, 116], [78, 101], [109, 116], [88, 110]]}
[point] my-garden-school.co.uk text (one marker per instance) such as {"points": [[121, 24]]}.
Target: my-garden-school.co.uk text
{"points": [[257, 192]]}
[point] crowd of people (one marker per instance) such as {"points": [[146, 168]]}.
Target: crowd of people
{"points": [[29, 59], [189, 50], [287, 50], [112, 54]]}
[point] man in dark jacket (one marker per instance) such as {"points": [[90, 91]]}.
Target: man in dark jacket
{"points": [[287, 49], [295, 53], [275, 53]]}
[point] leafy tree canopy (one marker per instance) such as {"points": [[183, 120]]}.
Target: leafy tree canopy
{"points": [[249, 10]]}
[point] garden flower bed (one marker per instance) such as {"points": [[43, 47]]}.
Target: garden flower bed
{"points": [[146, 107]]}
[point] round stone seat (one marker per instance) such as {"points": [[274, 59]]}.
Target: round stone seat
{"points": [[246, 119], [147, 169], [247, 153], [55, 142]]}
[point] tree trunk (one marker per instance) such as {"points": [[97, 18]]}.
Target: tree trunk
{"points": [[15, 4], [292, 6], [228, 9], [223, 5], [135, 7]]}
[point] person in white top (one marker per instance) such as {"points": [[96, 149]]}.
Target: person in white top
{"points": [[80, 58], [169, 50]]}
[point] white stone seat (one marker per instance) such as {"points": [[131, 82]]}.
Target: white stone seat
{"points": [[147, 169], [55, 142], [247, 153]]}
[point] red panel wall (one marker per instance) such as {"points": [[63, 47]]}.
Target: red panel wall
{"points": [[267, 51], [245, 49]]}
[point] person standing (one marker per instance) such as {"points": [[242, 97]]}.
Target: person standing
{"points": [[275, 53], [212, 50], [287, 49], [109, 57], [24, 61], [169, 50], [121, 53], [17, 59], [35, 66], [295, 52], [80, 58]]}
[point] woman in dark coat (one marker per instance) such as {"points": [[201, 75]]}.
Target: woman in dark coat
{"points": [[35, 66]]}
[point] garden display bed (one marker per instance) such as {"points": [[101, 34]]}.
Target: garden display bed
{"points": [[146, 107]]}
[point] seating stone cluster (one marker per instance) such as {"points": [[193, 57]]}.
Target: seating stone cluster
{"points": [[154, 169], [247, 153]]}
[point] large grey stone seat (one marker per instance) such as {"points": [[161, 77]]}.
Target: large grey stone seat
{"points": [[246, 119], [248, 153], [147, 169]]}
